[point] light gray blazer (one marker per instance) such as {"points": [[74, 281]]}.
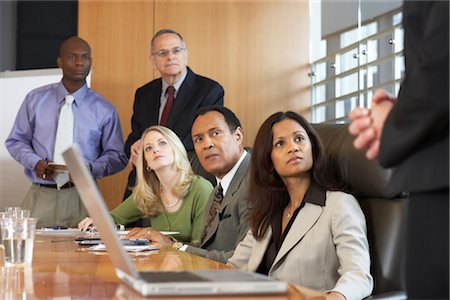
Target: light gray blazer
{"points": [[230, 225], [326, 249]]}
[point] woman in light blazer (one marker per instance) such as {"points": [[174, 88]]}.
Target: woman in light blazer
{"points": [[303, 229]]}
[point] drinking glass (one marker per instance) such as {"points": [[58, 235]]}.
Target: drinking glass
{"points": [[18, 240], [17, 212]]}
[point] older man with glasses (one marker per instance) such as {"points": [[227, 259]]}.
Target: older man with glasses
{"points": [[171, 100]]}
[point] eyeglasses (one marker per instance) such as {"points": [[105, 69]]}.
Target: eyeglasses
{"points": [[165, 52]]}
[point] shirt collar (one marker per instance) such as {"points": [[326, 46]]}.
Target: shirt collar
{"points": [[78, 94], [315, 194], [176, 85], [226, 180]]}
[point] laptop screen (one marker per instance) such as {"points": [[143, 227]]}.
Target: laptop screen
{"points": [[95, 206]]}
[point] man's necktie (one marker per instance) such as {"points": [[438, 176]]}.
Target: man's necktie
{"points": [[218, 197], [169, 105], [64, 138]]}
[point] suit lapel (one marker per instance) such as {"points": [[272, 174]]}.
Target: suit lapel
{"points": [[304, 221], [153, 100], [232, 189], [235, 182], [183, 98], [259, 251]]}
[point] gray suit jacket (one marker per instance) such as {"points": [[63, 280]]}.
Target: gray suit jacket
{"points": [[326, 249], [230, 225]]}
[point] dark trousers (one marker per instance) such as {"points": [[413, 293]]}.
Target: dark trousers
{"points": [[427, 251]]}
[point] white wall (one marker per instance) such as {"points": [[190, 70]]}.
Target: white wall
{"points": [[13, 88]]}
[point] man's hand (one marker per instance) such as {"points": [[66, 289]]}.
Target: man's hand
{"points": [[362, 127], [134, 150], [43, 170], [367, 125]]}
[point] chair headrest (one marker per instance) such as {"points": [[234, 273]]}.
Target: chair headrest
{"points": [[364, 178]]}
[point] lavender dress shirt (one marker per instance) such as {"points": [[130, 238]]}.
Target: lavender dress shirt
{"points": [[97, 130]]}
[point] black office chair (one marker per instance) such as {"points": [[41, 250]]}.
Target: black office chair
{"points": [[385, 211]]}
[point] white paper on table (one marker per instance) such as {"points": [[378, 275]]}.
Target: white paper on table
{"points": [[125, 232], [102, 247]]}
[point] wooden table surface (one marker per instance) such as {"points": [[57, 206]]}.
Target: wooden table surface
{"points": [[61, 268]]}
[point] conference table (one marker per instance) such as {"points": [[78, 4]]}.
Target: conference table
{"points": [[65, 270]]}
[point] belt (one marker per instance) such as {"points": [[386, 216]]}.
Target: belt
{"points": [[54, 186]]}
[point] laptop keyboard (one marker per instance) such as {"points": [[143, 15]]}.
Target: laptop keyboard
{"points": [[170, 277]]}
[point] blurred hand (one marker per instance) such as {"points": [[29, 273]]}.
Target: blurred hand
{"points": [[43, 170], [367, 125], [382, 95], [85, 224], [361, 126], [134, 150], [380, 111], [171, 262], [150, 234]]}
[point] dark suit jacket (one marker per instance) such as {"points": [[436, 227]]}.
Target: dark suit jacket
{"points": [[415, 135], [230, 225], [195, 92]]}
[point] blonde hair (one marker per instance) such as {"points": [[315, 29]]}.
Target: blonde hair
{"points": [[147, 193]]}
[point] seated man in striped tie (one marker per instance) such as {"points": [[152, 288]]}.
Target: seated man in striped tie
{"points": [[50, 120], [218, 142]]}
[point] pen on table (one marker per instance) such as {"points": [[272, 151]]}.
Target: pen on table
{"points": [[56, 241]]}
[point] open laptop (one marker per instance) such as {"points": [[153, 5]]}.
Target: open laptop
{"points": [[198, 282]]}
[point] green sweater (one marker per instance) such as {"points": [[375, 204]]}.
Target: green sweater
{"points": [[188, 219]]}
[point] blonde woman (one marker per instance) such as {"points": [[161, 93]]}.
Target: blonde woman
{"points": [[167, 191]]}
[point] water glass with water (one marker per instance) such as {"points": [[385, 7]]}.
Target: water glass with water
{"points": [[18, 240]]}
